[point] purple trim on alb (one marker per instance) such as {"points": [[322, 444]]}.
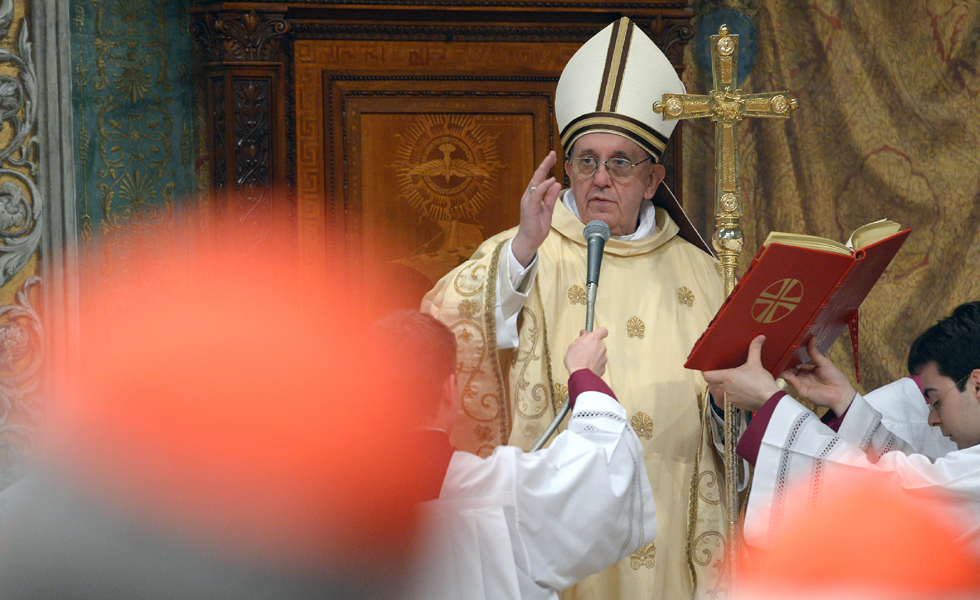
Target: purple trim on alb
{"points": [[748, 446], [585, 380]]}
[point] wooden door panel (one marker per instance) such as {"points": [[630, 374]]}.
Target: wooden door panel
{"points": [[413, 172], [427, 181]]}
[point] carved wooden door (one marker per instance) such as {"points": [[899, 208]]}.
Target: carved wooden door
{"points": [[410, 130]]}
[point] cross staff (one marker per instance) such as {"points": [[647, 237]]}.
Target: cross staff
{"points": [[726, 105]]}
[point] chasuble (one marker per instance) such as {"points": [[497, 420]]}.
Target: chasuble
{"points": [[656, 296]]}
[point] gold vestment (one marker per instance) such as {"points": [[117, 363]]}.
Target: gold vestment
{"points": [[656, 296]]}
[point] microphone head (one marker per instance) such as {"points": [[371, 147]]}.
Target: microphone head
{"points": [[597, 227]]}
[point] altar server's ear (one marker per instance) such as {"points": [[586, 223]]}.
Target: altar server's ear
{"points": [[448, 405], [974, 384]]}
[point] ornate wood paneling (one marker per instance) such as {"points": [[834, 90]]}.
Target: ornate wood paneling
{"points": [[245, 74], [405, 132], [414, 171]]}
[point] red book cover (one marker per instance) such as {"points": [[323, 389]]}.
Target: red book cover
{"points": [[790, 294]]}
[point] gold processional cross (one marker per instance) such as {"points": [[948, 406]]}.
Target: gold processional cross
{"points": [[726, 105]]}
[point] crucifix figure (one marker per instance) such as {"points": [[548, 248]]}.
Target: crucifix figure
{"points": [[726, 105]]}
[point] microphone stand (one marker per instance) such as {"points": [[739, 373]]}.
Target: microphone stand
{"points": [[596, 233]]}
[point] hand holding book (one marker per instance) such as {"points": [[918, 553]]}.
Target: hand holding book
{"points": [[797, 288], [749, 386]]}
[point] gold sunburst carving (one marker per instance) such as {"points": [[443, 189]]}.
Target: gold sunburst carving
{"points": [[447, 167]]}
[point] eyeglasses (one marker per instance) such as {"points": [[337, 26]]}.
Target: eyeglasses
{"points": [[934, 405], [618, 168]]}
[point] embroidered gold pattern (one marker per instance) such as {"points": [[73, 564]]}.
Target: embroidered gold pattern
{"points": [[701, 549], [475, 404], [707, 546], [642, 425], [644, 557], [635, 328], [708, 488], [469, 281], [560, 397], [490, 322], [483, 433], [685, 296], [469, 309], [529, 401], [576, 295]]}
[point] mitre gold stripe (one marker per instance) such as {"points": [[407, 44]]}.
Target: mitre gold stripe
{"points": [[625, 50], [615, 64], [649, 139]]}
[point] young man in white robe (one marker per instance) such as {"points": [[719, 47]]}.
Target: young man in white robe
{"points": [[518, 525], [790, 446]]}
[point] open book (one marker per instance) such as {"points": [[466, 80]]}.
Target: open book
{"points": [[797, 287]]}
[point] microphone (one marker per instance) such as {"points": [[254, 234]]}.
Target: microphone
{"points": [[596, 233]]}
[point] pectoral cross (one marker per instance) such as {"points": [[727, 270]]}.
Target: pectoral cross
{"points": [[726, 105]]}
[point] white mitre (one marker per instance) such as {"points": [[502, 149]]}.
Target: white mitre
{"points": [[610, 85]]}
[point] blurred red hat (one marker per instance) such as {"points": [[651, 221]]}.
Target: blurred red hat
{"points": [[225, 398], [867, 538]]}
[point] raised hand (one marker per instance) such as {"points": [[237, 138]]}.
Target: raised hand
{"points": [[747, 387], [588, 352], [537, 208], [820, 382]]}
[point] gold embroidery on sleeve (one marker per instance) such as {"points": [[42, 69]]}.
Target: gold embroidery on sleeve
{"points": [[490, 325], [469, 281], [528, 398], [469, 309]]}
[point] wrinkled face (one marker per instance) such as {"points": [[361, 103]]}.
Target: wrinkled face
{"points": [[616, 203], [956, 413]]}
